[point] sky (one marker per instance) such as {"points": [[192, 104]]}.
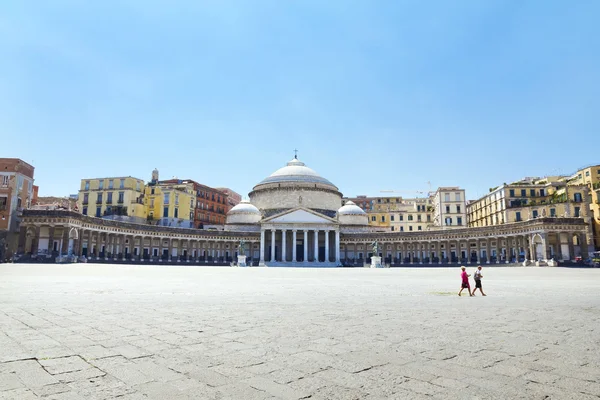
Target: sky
{"points": [[376, 95]]}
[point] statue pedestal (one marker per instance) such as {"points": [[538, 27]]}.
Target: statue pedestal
{"points": [[376, 262], [241, 261]]}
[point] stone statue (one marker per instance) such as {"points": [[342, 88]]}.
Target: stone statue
{"points": [[375, 247], [242, 248], [299, 199]]}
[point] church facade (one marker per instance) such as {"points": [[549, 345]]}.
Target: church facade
{"points": [[296, 218]]}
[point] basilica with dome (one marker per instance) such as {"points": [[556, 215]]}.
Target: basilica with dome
{"points": [[300, 217], [293, 218]]}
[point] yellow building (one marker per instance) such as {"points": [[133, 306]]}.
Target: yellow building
{"points": [[397, 214], [590, 176], [170, 203], [527, 199], [113, 198]]}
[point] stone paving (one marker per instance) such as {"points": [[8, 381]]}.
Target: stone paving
{"points": [[136, 332]]}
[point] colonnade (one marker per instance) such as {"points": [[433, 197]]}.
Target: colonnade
{"points": [[277, 245]]}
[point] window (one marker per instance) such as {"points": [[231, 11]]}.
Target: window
{"points": [[176, 198], [137, 186], [428, 218], [587, 173], [401, 229], [458, 209], [166, 212], [553, 212], [448, 209], [419, 228], [512, 193], [419, 217], [401, 217], [542, 193], [109, 197], [535, 213], [383, 218], [101, 185], [457, 196], [458, 220], [121, 197], [99, 199], [98, 211], [410, 228], [372, 219], [176, 212], [110, 183], [85, 198], [152, 191], [448, 221], [410, 218], [577, 211], [446, 196], [151, 203], [87, 185], [577, 197], [84, 211], [532, 192], [391, 218], [166, 198], [523, 192], [579, 176], [518, 216], [392, 229]]}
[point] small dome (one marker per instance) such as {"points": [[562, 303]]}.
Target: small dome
{"points": [[244, 207], [244, 213], [351, 209]]}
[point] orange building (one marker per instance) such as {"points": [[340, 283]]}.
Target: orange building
{"points": [[16, 194], [233, 198]]}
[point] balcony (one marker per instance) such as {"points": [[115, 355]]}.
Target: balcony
{"points": [[85, 203], [98, 201], [120, 201]]}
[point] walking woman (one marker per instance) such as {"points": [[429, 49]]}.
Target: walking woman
{"points": [[465, 281]]}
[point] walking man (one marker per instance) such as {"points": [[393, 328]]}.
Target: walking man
{"points": [[465, 281], [477, 276]]}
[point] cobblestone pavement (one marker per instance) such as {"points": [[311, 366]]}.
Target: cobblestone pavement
{"points": [[136, 332]]}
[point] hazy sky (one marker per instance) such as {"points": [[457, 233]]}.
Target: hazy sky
{"points": [[376, 95]]}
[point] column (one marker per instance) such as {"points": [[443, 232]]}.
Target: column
{"points": [[305, 245], [558, 253], [179, 249], [90, 245], [337, 248], [468, 251], [327, 245], [571, 245], [294, 245], [316, 256], [51, 240], [35, 241], [262, 247], [488, 250], [448, 251], [516, 249], [498, 250], [429, 253], [272, 245], [411, 256], [283, 245]]}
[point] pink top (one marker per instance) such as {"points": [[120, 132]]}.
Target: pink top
{"points": [[464, 276]]}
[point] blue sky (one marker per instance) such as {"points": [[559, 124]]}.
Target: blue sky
{"points": [[376, 95]]}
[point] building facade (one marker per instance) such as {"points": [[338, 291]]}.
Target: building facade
{"points": [[17, 192], [233, 198], [170, 203], [118, 198], [449, 208], [590, 177], [295, 217]]}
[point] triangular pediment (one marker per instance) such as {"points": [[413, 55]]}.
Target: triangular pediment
{"points": [[301, 216]]}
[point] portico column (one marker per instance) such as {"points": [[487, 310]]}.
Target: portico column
{"points": [[294, 245], [272, 245], [468, 251], [337, 248], [316, 255], [448, 252], [262, 246], [571, 246], [90, 246], [498, 250], [558, 254], [488, 250], [283, 249], [305, 245], [326, 245]]}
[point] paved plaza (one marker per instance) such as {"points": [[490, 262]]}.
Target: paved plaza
{"points": [[138, 332]]}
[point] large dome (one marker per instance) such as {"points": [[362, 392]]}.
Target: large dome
{"points": [[295, 185], [296, 171]]}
